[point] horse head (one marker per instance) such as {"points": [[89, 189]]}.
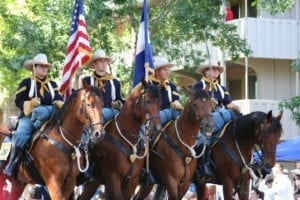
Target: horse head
{"points": [[90, 111], [199, 108], [268, 135], [147, 106]]}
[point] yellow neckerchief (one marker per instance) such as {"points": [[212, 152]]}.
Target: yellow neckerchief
{"points": [[212, 84], [165, 83], [43, 84], [100, 79]]}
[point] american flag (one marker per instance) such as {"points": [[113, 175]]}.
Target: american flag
{"points": [[78, 49], [143, 55]]}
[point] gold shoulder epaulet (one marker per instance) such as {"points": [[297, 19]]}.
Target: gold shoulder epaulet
{"points": [[22, 89], [175, 93]]}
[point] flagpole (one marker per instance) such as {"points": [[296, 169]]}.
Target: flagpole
{"points": [[147, 146]]}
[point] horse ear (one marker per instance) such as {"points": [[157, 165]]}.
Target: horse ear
{"points": [[269, 116], [279, 116], [85, 85]]}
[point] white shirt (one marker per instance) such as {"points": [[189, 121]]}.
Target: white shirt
{"points": [[283, 188], [269, 193]]}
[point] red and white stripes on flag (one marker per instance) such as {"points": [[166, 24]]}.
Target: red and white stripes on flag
{"points": [[78, 49]]}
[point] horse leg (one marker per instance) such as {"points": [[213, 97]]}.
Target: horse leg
{"points": [[200, 190], [244, 192], [228, 190], [68, 188], [89, 189], [113, 189], [54, 188], [172, 188], [143, 192], [160, 192]]}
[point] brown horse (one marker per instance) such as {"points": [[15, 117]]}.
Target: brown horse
{"points": [[55, 152], [172, 157], [232, 154], [120, 157]]}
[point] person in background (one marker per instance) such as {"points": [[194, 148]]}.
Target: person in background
{"points": [[228, 12], [255, 194], [265, 186], [282, 185], [170, 107], [296, 182], [33, 92], [107, 83]]}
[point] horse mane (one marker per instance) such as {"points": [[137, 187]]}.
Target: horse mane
{"points": [[60, 113], [153, 91], [245, 125]]}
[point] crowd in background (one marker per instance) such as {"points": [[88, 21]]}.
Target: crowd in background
{"points": [[278, 185]]}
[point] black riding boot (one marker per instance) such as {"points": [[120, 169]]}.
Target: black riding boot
{"points": [[15, 158]]}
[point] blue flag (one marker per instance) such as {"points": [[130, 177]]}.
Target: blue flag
{"points": [[143, 55]]}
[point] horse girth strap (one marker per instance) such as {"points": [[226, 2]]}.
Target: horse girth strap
{"points": [[232, 154], [58, 145], [176, 148], [119, 145]]}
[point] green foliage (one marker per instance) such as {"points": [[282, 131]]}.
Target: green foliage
{"points": [[274, 7], [176, 26], [293, 105]]}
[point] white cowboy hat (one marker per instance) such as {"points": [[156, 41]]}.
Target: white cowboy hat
{"points": [[200, 69], [97, 55], [160, 62], [38, 59]]}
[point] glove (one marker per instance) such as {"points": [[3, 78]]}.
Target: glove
{"points": [[35, 102], [117, 104], [28, 106], [58, 104], [176, 105]]}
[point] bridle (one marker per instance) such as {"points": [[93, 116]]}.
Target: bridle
{"points": [[194, 113], [145, 102]]}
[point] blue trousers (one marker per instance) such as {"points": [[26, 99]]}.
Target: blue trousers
{"points": [[24, 131], [108, 114], [167, 115]]}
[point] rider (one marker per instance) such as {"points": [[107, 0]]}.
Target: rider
{"points": [[209, 82], [110, 86], [111, 92], [170, 106], [37, 90]]}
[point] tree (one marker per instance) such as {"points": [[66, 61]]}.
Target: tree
{"points": [[34, 26], [293, 104]]}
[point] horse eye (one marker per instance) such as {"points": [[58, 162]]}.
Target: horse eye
{"points": [[89, 105]]}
